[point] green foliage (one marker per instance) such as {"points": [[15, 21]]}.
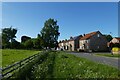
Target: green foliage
{"points": [[67, 66], [37, 43], [108, 37], [108, 55], [26, 72], [50, 33], [0, 40], [28, 44], [8, 34], [116, 45], [15, 44]]}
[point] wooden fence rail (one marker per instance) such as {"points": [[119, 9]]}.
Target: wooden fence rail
{"points": [[8, 71]]}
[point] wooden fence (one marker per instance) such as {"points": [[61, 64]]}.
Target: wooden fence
{"points": [[8, 71]]}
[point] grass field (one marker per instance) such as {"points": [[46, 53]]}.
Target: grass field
{"points": [[10, 56], [108, 55], [62, 65]]}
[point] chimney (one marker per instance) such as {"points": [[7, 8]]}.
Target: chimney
{"points": [[71, 37], [83, 34]]}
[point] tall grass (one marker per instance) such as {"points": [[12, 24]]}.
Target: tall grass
{"points": [[67, 66]]}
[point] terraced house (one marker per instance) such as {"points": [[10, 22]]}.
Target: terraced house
{"points": [[93, 41], [71, 44]]}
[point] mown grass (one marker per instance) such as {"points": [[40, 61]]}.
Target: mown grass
{"points": [[108, 55], [62, 65], [10, 56]]}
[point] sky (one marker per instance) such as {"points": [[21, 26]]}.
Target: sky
{"points": [[74, 18]]}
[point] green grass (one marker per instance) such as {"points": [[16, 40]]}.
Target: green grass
{"points": [[10, 56], [62, 65], [108, 55]]}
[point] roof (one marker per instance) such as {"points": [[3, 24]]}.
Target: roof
{"points": [[71, 39], [89, 35], [118, 38], [74, 38]]}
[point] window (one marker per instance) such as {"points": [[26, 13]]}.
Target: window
{"points": [[98, 35], [87, 47], [98, 47]]}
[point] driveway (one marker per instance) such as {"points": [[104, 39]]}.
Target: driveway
{"points": [[104, 60]]}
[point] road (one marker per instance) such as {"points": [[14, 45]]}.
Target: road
{"points": [[0, 74], [114, 62]]}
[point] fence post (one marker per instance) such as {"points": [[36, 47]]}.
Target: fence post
{"points": [[20, 66]]}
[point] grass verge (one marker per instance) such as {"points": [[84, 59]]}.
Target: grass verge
{"points": [[108, 55], [67, 66]]}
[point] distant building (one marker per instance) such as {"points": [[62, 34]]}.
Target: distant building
{"points": [[115, 40], [93, 41]]}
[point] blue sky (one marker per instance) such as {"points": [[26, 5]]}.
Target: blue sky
{"points": [[73, 18]]}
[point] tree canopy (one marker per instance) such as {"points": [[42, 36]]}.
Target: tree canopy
{"points": [[8, 35], [108, 37], [50, 33]]}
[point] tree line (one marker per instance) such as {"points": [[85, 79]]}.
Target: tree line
{"points": [[47, 38]]}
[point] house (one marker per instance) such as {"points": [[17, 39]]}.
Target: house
{"points": [[60, 45], [93, 41], [115, 40], [71, 44], [74, 43]]}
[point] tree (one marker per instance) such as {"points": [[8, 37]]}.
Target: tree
{"points": [[28, 44], [0, 40], [36, 43], [50, 33], [15, 44], [8, 34], [108, 37]]}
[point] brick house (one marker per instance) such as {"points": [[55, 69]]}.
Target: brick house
{"points": [[94, 41]]}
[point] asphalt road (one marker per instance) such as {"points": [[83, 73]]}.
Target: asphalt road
{"points": [[0, 74], [114, 62]]}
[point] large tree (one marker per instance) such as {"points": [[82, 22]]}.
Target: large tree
{"points": [[50, 33], [8, 35], [0, 40]]}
